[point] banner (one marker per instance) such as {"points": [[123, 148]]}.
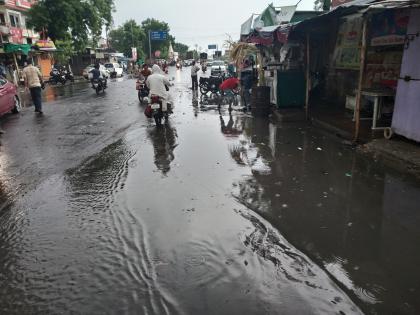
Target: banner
{"points": [[347, 49], [134, 53], [389, 28]]}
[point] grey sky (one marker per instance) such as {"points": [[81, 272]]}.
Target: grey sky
{"points": [[192, 22]]}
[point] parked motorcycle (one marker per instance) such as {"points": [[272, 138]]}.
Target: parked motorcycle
{"points": [[69, 75], [57, 76], [143, 91], [99, 85]]}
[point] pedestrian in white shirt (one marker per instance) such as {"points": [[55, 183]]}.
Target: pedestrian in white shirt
{"points": [[194, 77]]}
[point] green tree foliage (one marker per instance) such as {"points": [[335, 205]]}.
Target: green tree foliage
{"points": [[64, 51], [129, 35], [79, 19], [181, 49], [162, 46]]}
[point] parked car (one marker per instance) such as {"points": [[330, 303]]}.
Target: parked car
{"points": [[9, 99], [114, 69], [90, 67], [218, 67]]}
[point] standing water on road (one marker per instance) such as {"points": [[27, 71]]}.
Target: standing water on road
{"points": [[213, 213]]}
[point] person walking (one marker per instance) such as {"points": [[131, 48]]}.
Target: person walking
{"points": [[33, 82], [194, 77]]}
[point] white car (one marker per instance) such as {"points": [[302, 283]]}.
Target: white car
{"points": [[218, 67], [89, 69], [115, 69]]}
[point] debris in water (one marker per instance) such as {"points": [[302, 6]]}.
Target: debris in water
{"points": [[319, 149], [300, 148], [349, 224], [349, 175], [284, 206], [246, 263], [277, 195]]}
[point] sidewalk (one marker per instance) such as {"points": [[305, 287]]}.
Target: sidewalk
{"points": [[398, 152]]}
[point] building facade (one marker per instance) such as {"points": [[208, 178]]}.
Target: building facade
{"points": [[13, 27]]}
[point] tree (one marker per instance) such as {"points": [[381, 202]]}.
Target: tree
{"points": [[64, 51], [79, 19], [129, 35], [162, 46], [181, 49]]}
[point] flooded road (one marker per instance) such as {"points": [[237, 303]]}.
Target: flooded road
{"points": [[214, 213]]}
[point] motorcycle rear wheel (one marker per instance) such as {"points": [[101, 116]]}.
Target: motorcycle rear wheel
{"points": [[158, 119], [203, 90]]}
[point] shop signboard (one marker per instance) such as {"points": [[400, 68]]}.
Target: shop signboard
{"points": [[45, 45], [389, 28], [19, 3], [16, 35]]}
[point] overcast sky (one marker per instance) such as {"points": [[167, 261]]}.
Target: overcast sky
{"points": [[192, 23]]}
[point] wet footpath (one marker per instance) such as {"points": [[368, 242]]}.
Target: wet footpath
{"points": [[216, 212]]}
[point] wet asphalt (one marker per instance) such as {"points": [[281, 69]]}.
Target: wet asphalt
{"points": [[216, 212]]}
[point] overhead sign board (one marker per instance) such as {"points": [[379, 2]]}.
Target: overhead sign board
{"points": [[158, 35], [212, 46]]}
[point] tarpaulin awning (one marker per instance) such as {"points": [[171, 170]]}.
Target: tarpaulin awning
{"points": [[17, 48], [270, 34]]}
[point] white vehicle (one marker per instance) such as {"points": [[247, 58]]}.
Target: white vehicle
{"points": [[114, 69], [218, 67], [90, 67]]}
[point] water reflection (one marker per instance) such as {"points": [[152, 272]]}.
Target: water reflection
{"points": [[352, 217], [233, 127], [52, 93], [164, 141]]}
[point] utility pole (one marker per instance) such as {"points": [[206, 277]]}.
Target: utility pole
{"points": [[150, 47]]}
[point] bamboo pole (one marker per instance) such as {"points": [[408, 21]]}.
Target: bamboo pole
{"points": [[360, 84], [308, 77]]}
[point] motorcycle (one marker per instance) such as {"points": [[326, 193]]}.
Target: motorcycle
{"points": [[143, 91], [69, 75], [57, 76], [155, 110], [99, 86], [179, 65]]}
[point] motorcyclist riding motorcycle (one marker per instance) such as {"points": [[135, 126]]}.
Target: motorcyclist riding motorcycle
{"points": [[141, 87], [158, 85], [96, 75]]}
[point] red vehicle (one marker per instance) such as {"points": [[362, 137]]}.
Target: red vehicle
{"points": [[9, 99]]}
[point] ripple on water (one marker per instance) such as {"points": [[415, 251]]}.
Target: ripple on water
{"points": [[295, 267]]}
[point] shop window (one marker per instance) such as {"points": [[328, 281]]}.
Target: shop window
{"points": [[14, 20], [2, 19]]}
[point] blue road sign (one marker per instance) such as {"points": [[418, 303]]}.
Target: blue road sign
{"points": [[212, 46], [158, 35]]}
